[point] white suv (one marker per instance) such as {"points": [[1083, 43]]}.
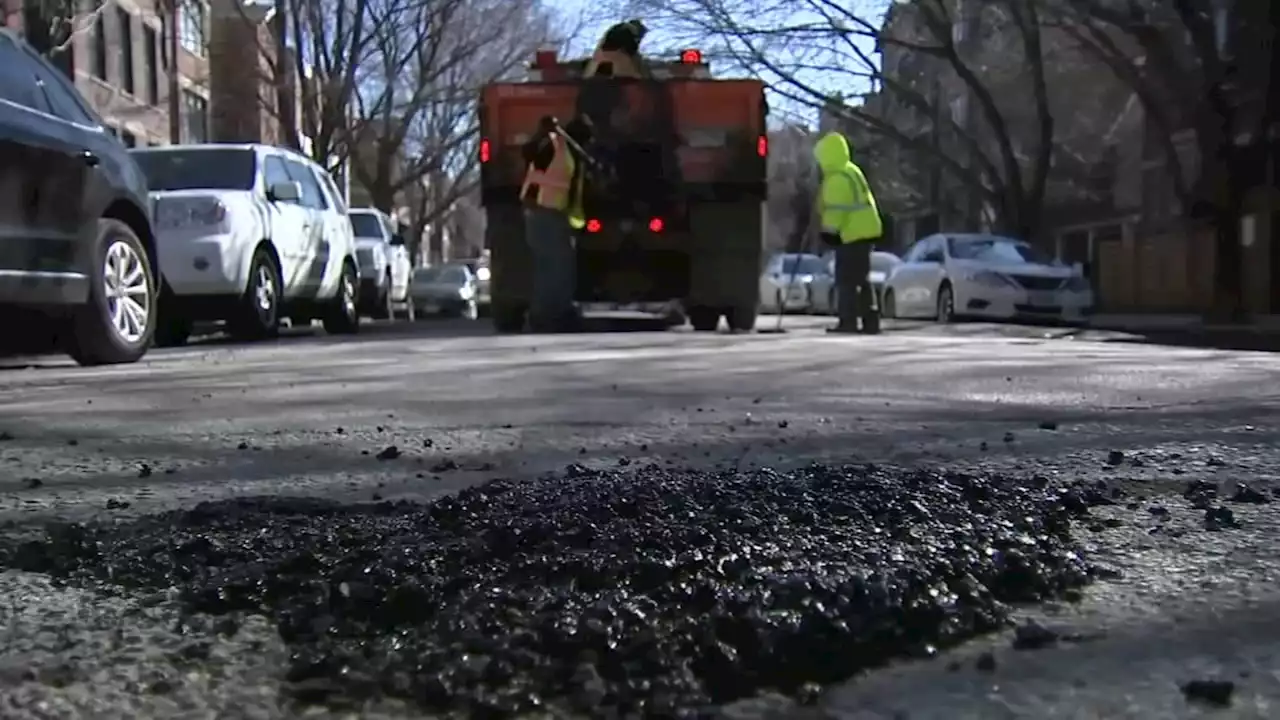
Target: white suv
{"points": [[249, 234], [384, 264]]}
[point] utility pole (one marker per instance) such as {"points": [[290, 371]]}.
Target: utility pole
{"points": [[171, 21]]}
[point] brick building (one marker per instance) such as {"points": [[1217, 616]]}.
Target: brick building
{"points": [[119, 61]]}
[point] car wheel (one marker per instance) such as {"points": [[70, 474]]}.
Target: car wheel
{"points": [[118, 322], [258, 316], [946, 304], [888, 304], [341, 316]]}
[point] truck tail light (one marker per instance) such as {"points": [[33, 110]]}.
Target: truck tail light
{"points": [[593, 225], [484, 150], [691, 57], [656, 225], [762, 146]]}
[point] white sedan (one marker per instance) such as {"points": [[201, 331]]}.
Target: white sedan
{"points": [[947, 276]]}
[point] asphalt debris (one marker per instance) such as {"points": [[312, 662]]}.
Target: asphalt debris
{"points": [[652, 592], [1217, 693]]}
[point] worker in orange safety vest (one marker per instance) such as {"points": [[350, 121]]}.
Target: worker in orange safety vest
{"points": [[552, 197]]}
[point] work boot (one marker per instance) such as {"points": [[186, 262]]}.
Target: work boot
{"points": [[871, 325], [842, 330]]}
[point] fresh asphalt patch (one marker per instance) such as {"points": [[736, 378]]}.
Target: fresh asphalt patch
{"points": [[645, 591]]}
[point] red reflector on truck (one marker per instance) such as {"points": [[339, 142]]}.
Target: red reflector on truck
{"points": [[691, 57], [655, 225], [484, 150], [593, 225], [762, 146]]}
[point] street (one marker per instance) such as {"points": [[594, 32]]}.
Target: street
{"points": [[419, 412]]}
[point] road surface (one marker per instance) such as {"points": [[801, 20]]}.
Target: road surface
{"points": [[310, 415]]}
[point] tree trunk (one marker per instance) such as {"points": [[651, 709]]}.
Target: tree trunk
{"points": [[1228, 275]]}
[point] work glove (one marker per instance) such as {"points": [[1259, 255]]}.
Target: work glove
{"points": [[831, 240]]}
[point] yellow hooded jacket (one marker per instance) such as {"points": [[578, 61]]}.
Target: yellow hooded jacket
{"points": [[845, 202]]}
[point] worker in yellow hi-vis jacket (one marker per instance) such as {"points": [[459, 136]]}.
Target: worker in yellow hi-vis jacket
{"points": [[850, 223]]}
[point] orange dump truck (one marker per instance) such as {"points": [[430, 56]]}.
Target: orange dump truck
{"points": [[679, 231]]}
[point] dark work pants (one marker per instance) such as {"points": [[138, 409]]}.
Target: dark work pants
{"points": [[855, 300], [554, 267]]}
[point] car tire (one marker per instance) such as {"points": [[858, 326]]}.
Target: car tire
{"points": [[340, 314], [122, 291], [946, 312], [258, 314], [173, 329], [384, 309], [888, 305], [704, 319]]}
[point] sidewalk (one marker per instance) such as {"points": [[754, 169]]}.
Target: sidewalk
{"points": [[1262, 332]]}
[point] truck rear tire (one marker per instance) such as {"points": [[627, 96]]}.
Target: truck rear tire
{"points": [[704, 319], [508, 319], [741, 319]]}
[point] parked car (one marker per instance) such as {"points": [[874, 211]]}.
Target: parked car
{"points": [[480, 266], [827, 294], [788, 283], [947, 276], [249, 234], [79, 261], [384, 264], [448, 290]]}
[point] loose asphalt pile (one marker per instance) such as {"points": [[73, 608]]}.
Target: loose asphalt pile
{"points": [[655, 592]]}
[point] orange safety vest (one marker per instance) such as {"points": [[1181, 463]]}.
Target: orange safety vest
{"points": [[552, 183], [623, 64]]}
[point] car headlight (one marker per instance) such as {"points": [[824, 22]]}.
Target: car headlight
{"points": [[482, 274], [174, 213], [1078, 284], [990, 279]]}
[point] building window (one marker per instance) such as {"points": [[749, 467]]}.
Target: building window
{"points": [[195, 111], [150, 63], [99, 65], [191, 33], [125, 22]]}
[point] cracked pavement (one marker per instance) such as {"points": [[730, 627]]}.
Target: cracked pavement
{"points": [[311, 415]]}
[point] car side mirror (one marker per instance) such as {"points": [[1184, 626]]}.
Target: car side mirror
{"points": [[397, 240], [290, 191]]}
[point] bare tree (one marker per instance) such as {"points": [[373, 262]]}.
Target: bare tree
{"points": [[1190, 83], [51, 25], [416, 110], [967, 93]]}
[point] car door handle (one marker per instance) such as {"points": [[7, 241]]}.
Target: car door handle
{"points": [[90, 159]]}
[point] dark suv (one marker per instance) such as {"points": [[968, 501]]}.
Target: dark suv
{"points": [[77, 260]]}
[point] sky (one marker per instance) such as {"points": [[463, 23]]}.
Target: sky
{"points": [[598, 19]]}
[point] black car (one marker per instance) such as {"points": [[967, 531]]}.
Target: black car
{"points": [[78, 262]]}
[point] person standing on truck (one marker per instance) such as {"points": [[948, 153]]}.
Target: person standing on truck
{"points": [[618, 53], [552, 196], [850, 224]]}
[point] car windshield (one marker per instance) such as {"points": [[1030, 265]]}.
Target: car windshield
{"points": [[202, 169], [803, 265], [993, 249], [366, 225], [442, 275]]}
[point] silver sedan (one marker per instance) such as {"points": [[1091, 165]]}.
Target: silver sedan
{"points": [[792, 282], [882, 263]]}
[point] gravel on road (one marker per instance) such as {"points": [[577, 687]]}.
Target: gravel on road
{"points": [[653, 592]]}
